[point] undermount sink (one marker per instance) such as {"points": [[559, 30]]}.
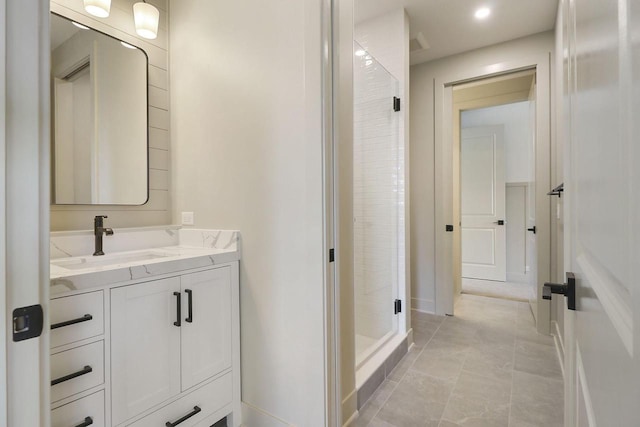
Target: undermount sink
{"points": [[81, 263]]}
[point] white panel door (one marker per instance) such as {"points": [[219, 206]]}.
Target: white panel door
{"points": [[145, 346], [603, 193], [206, 328], [483, 208]]}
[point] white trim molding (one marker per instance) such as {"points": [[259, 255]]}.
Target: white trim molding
{"points": [[252, 416], [584, 388], [615, 298]]}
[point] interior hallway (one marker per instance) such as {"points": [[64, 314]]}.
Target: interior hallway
{"points": [[487, 366]]}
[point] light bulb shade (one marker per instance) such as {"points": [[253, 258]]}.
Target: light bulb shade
{"points": [[99, 8], [146, 18]]}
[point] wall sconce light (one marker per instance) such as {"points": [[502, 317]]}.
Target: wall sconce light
{"points": [[99, 8], [146, 18]]}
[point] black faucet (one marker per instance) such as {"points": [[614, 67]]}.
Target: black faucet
{"points": [[99, 230]]}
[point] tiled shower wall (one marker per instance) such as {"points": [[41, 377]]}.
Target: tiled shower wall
{"points": [[377, 168]]}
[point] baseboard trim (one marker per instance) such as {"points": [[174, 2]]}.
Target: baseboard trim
{"points": [[350, 407], [256, 417], [410, 339], [423, 305], [351, 419]]}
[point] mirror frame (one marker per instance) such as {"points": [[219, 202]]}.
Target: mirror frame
{"points": [[53, 158]]}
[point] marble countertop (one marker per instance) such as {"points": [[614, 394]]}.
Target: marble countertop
{"points": [[192, 249]]}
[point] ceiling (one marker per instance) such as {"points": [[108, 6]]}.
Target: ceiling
{"points": [[449, 26]]}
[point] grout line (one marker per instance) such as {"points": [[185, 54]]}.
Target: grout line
{"points": [[466, 355], [513, 376], [405, 374]]}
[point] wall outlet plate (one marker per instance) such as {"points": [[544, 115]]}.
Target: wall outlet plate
{"points": [[187, 218]]}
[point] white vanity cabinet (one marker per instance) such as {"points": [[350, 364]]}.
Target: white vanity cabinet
{"points": [[167, 337], [147, 335], [77, 360]]}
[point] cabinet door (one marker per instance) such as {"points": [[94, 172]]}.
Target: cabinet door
{"points": [[206, 340], [145, 346]]}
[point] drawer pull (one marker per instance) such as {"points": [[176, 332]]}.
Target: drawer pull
{"points": [[189, 318], [87, 422], [178, 309], [196, 409], [84, 318], [87, 369]]}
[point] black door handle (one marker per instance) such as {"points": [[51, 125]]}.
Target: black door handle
{"points": [[196, 409], [87, 369], [84, 318], [178, 309], [532, 229], [189, 318], [567, 289], [87, 422], [499, 222]]}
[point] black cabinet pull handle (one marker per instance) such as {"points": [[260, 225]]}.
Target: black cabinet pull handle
{"points": [[87, 422], [84, 318], [189, 318], [84, 371], [196, 409], [178, 309], [532, 229]]}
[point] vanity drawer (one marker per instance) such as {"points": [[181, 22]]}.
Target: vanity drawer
{"points": [[85, 410], [77, 370], [76, 317], [208, 399]]}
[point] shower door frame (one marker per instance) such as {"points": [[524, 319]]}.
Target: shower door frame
{"points": [[398, 320]]}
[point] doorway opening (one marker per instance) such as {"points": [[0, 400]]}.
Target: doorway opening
{"points": [[494, 123]]}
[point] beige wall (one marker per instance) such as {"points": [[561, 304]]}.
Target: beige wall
{"points": [[247, 143], [157, 211], [423, 233]]}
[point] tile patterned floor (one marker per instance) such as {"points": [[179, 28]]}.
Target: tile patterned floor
{"points": [[485, 367]]}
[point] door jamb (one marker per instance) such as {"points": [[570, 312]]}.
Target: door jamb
{"points": [[4, 389], [443, 129], [25, 172], [458, 107]]}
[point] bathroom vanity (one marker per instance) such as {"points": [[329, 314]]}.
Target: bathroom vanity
{"points": [[148, 334]]}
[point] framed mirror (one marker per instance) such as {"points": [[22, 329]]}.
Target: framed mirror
{"points": [[99, 117]]}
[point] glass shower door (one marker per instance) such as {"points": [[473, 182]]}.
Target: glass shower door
{"points": [[376, 203]]}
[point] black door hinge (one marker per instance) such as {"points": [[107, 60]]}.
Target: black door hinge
{"points": [[27, 322], [396, 103], [397, 306], [332, 255]]}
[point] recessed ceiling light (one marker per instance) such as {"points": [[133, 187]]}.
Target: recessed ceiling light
{"points": [[482, 13], [360, 52], [79, 25]]}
